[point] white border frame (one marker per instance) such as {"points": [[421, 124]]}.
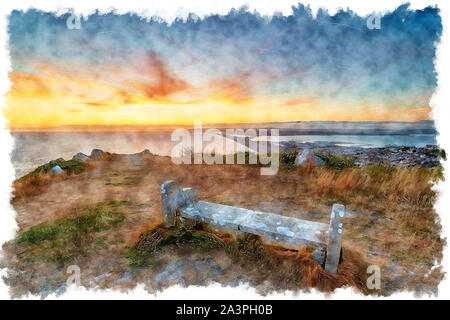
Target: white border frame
{"points": [[168, 10]]}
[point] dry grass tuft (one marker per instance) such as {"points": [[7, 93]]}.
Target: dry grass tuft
{"points": [[35, 185], [39, 180], [351, 272], [283, 269], [389, 184]]}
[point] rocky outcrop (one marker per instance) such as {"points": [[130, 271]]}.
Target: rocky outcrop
{"points": [[96, 154], [307, 156], [80, 157], [427, 157]]}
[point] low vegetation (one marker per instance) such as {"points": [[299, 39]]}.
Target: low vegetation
{"points": [[63, 239], [287, 160], [69, 166], [377, 185], [391, 223], [36, 181], [283, 268], [337, 162], [163, 238]]}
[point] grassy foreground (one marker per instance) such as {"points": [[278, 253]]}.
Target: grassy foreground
{"points": [[106, 219], [63, 239]]}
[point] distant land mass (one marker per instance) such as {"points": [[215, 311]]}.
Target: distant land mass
{"points": [[286, 128]]}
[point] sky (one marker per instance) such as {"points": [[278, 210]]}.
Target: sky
{"points": [[237, 68]]}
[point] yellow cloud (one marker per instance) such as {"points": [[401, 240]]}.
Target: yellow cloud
{"points": [[55, 98]]}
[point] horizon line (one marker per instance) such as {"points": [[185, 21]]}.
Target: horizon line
{"points": [[152, 127]]}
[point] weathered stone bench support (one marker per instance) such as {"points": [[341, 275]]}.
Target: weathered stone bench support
{"points": [[183, 205], [335, 238]]}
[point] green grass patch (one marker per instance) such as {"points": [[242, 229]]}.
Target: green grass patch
{"points": [[70, 167], [144, 205], [62, 239], [287, 160], [126, 181], [438, 153], [337, 162], [118, 203], [114, 184]]}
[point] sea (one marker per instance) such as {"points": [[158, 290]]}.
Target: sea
{"points": [[32, 149]]}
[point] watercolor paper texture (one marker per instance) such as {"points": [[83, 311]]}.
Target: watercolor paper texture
{"points": [[282, 115]]}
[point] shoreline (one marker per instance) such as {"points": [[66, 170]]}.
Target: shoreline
{"points": [[390, 156]]}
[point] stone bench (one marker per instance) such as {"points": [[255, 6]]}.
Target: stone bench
{"points": [[293, 233]]}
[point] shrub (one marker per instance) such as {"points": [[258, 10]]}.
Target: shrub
{"points": [[337, 162], [438, 153], [287, 160], [70, 167], [160, 238]]}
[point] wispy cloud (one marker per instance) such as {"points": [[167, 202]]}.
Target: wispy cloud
{"points": [[295, 67]]}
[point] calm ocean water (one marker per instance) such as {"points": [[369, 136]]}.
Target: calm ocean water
{"points": [[367, 141], [34, 149]]}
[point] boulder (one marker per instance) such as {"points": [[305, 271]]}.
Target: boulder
{"points": [[96, 154], [56, 170], [307, 155], [80, 157]]}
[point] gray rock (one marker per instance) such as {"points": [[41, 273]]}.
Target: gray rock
{"points": [[171, 274], [126, 277], [80, 157], [96, 154], [60, 159], [56, 170], [307, 155], [100, 279], [201, 271], [319, 254], [61, 289], [239, 281]]}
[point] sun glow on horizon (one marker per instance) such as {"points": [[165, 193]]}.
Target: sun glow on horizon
{"points": [[126, 71]]}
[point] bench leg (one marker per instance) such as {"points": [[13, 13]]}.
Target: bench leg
{"points": [[173, 198], [334, 238]]}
